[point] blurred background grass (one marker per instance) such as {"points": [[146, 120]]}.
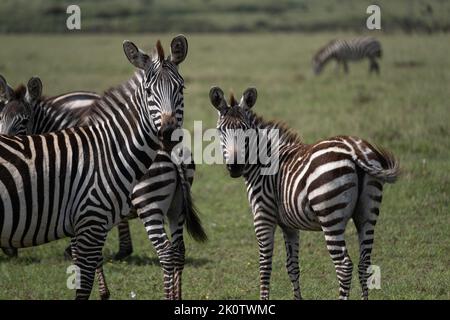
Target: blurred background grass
{"points": [[405, 109], [223, 16]]}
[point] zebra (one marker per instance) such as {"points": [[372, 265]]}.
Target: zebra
{"points": [[92, 169], [346, 50], [164, 185], [317, 187], [54, 114]]}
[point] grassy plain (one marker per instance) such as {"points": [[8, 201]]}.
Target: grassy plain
{"points": [[405, 109]]}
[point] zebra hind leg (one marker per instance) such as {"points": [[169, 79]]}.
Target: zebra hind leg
{"points": [[102, 285], [334, 237], [365, 218], [88, 257], [10, 252], [125, 243], [291, 242], [176, 221]]}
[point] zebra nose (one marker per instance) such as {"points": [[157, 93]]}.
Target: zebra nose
{"points": [[166, 132]]}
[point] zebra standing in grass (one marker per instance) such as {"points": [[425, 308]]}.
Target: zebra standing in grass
{"points": [[161, 193], [55, 114], [317, 187], [349, 50], [91, 170]]}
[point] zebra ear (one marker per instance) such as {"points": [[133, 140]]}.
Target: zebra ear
{"points": [[34, 90], [217, 99], [249, 98], [178, 49], [137, 58], [6, 92]]}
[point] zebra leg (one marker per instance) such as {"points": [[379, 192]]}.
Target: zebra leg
{"points": [[265, 235], [102, 286], [125, 244], [365, 218], [338, 252], [152, 198], [88, 257], [345, 65], [10, 252], [176, 219], [292, 245], [374, 66]]}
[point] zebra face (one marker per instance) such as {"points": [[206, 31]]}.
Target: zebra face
{"points": [[163, 86], [16, 111], [234, 128]]}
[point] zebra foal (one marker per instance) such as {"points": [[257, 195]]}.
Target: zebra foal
{"points": [[317, 187], [348, 50]]}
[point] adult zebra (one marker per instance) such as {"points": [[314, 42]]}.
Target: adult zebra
{"points": [[317, 187], [167, 186], [92, 169], [55, 114], [348, 50]]}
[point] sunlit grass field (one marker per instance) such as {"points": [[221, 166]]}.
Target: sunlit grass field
{"points": [[405, 109]]}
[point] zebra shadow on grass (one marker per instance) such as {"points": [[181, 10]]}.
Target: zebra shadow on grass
{"points": [[143, 260]]}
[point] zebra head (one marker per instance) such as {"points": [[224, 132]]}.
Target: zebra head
{"points": [[163, 85], [235, 128], [17, 106], [317, 66]]}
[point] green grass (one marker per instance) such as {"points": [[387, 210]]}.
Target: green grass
{"points": [[405, 109], [223, 16]]}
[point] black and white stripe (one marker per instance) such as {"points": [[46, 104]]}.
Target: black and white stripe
{"points": [[92, 189], [319, 186], [349, 50]]}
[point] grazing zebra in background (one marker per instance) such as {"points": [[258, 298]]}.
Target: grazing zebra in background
{"points": [[349, 50], [317, 187], [163, 190], [92, 170]]}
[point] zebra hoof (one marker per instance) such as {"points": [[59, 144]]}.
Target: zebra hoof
{"points": [[123, 254], [10, 252]]}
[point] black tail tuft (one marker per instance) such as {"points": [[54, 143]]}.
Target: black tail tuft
{"points": [[193, 223]]}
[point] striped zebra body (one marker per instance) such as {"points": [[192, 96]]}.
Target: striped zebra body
{"points": [[318, 187], [93, 169], [349, 50], [59, 113]]}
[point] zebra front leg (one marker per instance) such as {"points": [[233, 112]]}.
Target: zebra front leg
{"points": [[88, 257], [102, 285], [265, 235], [292, 245], [125, 243], [374, 67], [345, 66]]}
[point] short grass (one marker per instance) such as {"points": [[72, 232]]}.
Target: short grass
{"points": [[405, 109], [222, 16]]}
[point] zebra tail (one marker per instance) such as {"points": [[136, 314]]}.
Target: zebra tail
{"points": [[193, 224], [386, 168]]}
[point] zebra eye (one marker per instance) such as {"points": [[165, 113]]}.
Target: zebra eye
{"points": [[149, 91]]}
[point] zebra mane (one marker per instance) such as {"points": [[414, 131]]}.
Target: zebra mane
{"points": [[286, 134], [123, 90], [19, 92]]}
